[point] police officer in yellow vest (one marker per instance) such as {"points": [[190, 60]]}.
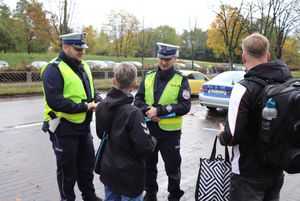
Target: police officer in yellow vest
{"points": [[163, 93], [69, 99]]}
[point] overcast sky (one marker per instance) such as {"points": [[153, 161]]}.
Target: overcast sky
{"points": [[175, 13]]}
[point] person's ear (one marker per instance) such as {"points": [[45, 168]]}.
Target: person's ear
{"points": [[134, 84], [114, 81], [174, 58], [268, 57], [244, 59]]}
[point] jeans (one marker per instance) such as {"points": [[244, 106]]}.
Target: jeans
{"points": [[113, 196], [255, 188]]}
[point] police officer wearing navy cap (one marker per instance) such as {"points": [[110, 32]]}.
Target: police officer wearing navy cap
{"points": [[70, 98], [164, 91]]}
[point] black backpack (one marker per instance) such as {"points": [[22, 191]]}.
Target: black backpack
{"points": [[282, 151]]}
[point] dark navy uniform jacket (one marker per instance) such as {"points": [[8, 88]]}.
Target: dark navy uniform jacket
{"points": [[181, 108], [53, 84]]}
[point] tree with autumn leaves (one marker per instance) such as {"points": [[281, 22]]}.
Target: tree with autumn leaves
{"points": [[276, 19], [226, 32], [31, 28]]}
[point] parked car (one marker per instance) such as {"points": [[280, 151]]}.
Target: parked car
{"points": [[195, 79], [136, 63], [3, 64], [38, 64], [110, 64], [96, 64], [216, 92], [179, 65], [189, 65], [234, 67]]}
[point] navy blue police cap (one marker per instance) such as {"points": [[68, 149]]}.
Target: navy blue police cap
{"points": [[77, 40], [167, 51]]}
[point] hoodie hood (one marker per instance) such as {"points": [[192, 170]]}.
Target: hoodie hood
{"points": [[275, 70], [116, 97], [106, 112]]}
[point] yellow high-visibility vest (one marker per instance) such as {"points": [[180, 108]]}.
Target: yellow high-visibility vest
{"points": [[73, 90], [168, 96]]}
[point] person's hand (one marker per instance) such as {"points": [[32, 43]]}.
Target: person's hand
{"points": [[155, 119], [221, 129], [92, 106], [151, 113]]}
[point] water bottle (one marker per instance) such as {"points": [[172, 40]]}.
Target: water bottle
{"points": [[268, 113]]}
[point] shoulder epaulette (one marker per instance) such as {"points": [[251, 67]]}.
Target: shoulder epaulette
{"points": [[180, 73], [56, 62], [151, 71]]}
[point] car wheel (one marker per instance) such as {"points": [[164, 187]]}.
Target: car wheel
{"points": [[211, 108]]}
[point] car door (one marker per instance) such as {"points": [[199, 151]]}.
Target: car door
{"points": [[196, 80]]}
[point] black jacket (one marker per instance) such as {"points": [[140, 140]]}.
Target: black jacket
{"points": [[181, 108], [241, 128], [53, 84], [129, 142]]}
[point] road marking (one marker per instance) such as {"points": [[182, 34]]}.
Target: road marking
{"points": [[29, 125]]}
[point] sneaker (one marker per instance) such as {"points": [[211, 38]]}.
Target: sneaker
{"points": [[149, 197]]}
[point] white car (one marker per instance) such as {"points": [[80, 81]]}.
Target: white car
{"points": [[96, 64], [110, 64], [216, 92], [3, 64], [38, 64], [135, 63]]}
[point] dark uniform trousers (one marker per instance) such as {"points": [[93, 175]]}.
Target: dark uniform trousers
{"points": [[170, 152], [75, 158]]}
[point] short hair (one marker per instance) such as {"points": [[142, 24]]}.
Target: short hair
{"points": [[256, 45], [125, 74]]}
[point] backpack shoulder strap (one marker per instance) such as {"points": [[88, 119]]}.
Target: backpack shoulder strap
{"points": [[262, 83], [257, 80]]}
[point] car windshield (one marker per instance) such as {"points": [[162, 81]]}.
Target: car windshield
{"points": [[229, 77]]}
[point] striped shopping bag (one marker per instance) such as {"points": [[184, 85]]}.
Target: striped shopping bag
{"points": [[213, 180]]}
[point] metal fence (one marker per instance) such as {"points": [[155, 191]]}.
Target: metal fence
{"points": [[34, 76], [15, 82]]}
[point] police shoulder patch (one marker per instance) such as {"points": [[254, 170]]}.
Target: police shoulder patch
{"points": [[186, 94]]}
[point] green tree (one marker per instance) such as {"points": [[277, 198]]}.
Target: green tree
{"points": [[201, 51], [145, 42], [7, 42], [103, 46], [166, 34], [91, 38]]}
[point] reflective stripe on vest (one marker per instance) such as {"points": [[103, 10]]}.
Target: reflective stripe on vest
{"points": [[73, 90], [168, 96]]}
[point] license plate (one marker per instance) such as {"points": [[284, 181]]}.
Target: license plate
{"points": [[215, 91]]}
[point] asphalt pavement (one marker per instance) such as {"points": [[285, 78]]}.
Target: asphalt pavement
{"points": [[27, 163]]}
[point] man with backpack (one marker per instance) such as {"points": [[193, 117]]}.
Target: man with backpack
{"points": [[252, 178]]}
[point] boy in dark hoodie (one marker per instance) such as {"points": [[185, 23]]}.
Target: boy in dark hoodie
{"points": [[122, 168]]}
